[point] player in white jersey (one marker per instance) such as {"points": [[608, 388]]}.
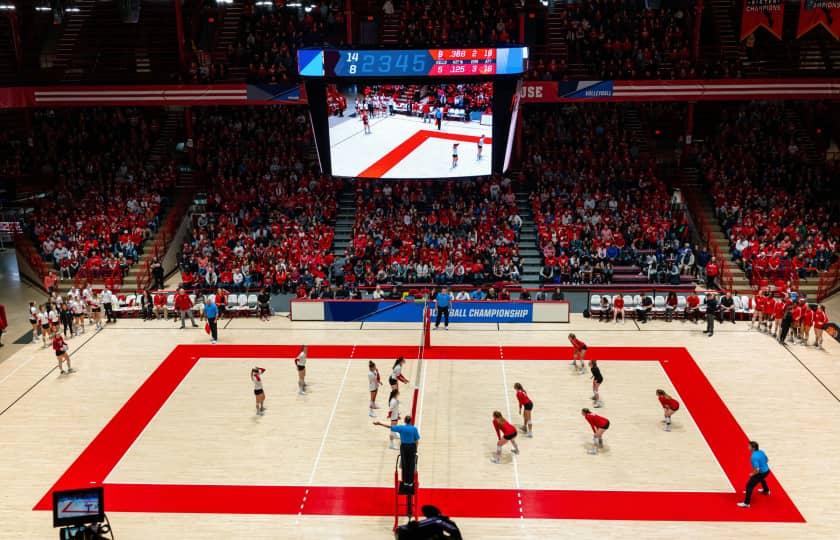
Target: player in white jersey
{"points": [[300, 364], [259, 393], [374, 382], [95, 303], [33, 320], [78, 309], [396, 374], [480, 145], [44, 323], [55, 319], [454, 155], [87, 296], [394, 417]]}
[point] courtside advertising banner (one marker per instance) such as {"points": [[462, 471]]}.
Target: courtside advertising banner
{"points": [[813, 13], [396, 311], [762, 13]]}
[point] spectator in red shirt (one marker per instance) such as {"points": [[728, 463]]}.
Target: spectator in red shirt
{"points": [[692, 307], [712, 271], [183, 304], [160, 306], [504, 432], [599, 425]]}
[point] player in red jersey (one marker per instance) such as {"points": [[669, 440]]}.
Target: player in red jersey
{"points": [[599, 425], [578, 352], [775, 311], [758, 309], [504, 432], [60, 347], [796, 326], [525, 408], [618, 308], [820, 320], [366, 122], [807, 323], [669, 407]]}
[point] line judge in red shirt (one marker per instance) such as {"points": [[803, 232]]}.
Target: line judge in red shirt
{"points": [[504, 432], [599, 425], [578, 352]]}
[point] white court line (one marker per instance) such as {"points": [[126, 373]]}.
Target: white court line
{"points": [[509, 415], [696, 425], [324, 438]]}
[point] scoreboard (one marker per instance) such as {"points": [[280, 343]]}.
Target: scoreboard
{"points": [[466, 62]]}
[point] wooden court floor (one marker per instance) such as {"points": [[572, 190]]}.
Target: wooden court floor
{"points": [[200, 448]]}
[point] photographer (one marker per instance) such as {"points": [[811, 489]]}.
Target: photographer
{"points": [[435, 526]]}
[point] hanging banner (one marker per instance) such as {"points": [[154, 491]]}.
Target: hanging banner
{"points": [[813, 13], [768, 14]]}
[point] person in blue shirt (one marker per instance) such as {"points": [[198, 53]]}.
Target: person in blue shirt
{"points": [[443, 299], [438, 117], [760, 470], [477, 294], [409, 438], [211, 311]]}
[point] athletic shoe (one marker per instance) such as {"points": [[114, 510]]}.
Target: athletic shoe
{"points": [[71, 370], [301, 393], [667, 427], [494, 459], [213, 341], [598, 405], [372, 414], [375, 406], [62, 372], [514, 451], [743, 505], [529, 435], [761, 490], [592, 451]]}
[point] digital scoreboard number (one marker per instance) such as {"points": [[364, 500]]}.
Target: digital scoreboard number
{"points": [[467, 62]]}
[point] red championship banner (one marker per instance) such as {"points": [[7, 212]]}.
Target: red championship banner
{"points": [[813, 13], [767, 13]]}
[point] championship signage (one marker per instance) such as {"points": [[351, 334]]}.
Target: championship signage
{"points": [[762, 13]]}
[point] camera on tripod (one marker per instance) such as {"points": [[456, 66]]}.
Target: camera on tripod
{"points": [[81, 514]]}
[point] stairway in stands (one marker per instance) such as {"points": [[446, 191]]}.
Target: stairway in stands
{"points": [[390, 33], [727, 38], [803, 139], [344, 221], [165, 143], [631, 118], [528, 248], [72, 30], [555, 35], [227, 36]]}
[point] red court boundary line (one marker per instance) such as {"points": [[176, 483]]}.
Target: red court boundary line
{"points": [[402, 150], [725, 437]]}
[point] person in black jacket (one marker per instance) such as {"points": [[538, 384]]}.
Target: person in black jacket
{"points": [[711, 313], [787, 321], [147, 304]]}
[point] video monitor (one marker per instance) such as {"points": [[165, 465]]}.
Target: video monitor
{"points": [[78, 507], [435, 130]]}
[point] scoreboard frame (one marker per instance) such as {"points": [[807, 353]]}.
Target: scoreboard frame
{"points": [[473, 63]]}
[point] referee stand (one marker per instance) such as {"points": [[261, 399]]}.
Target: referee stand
{"points": [[406, 501]]}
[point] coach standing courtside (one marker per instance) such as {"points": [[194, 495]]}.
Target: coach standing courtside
{"points": [[711, 313], [760, 470], [211, 311], [184, 306], [443, 299]]}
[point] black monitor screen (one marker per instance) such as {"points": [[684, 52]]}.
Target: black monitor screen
{"points": [[78, 506]]}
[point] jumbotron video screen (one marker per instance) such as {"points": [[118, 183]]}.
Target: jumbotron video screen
{"points": [[410, 130]]}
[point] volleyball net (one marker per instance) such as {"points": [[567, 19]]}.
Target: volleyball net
{"points": [[425, 343]]}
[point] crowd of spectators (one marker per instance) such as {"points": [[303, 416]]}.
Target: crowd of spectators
{"points": [[434, 232], [268, 219], [270, 36], [108, 198], [772, 201], [598, 202], [454, 22]]}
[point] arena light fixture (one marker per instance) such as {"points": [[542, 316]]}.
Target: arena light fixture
{"points": [[7, 7], [72, 9], [43, 8]]}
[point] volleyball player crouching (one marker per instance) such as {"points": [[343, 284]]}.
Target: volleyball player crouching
{"points": [[300, 364], [599, 425], [597, 380], [525, 408], [396, 374], [669, 407], [259, 393], [578, 353], [504, 432], [374, 382]]}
